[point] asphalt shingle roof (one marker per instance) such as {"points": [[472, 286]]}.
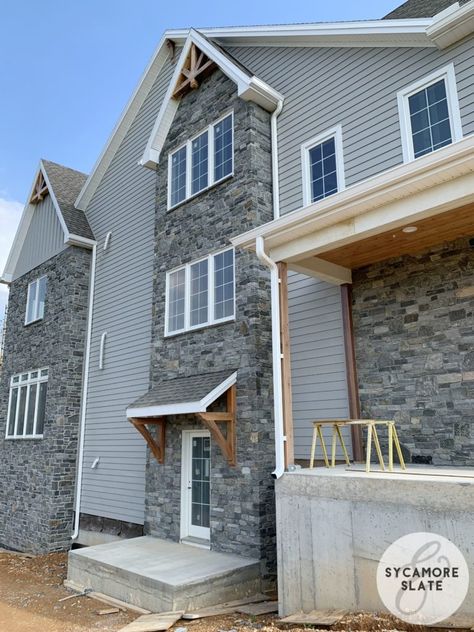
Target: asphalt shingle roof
{"points": [[66, 184], [182, 390], [420, 9]]}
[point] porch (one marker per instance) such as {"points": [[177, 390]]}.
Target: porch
{"points": [[162, 576]]}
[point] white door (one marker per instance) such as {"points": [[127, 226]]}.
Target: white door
{"points": [[195, 484]]}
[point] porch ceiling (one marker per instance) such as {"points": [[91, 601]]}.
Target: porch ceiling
{"points": [[394, 243]]}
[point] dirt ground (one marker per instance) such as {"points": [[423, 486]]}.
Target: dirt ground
{"points": [[31, 589]]}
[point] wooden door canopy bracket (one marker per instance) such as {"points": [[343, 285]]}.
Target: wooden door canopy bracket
{"points": [[197, 65], [211, 420], [157, 443]]}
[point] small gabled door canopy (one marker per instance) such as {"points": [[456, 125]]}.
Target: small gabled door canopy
{"points": [[199, 58]]}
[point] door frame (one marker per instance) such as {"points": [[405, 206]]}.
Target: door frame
{"points": [[186, 454]]}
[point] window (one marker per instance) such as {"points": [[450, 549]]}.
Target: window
{"points": [[429, 114], [201, 162], [323, 170], [27, 405], [35, 300], [200, 293]]}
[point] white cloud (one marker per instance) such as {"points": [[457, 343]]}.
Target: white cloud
{"points": [[10, 213]]}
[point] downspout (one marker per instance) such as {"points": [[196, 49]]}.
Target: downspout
{"points": [[275, 178], [82, 425], [276, 354]]}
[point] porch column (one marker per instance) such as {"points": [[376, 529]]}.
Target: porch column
{"points": [[286, 364], [351, 370]]}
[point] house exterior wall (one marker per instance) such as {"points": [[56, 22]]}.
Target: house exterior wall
{"points": [[242, 501], [354, 87], [124, 204], [38, 475], [414, 335], [318, 362], [45, 238]]}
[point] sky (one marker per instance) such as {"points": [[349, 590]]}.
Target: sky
{"points": [[67, 70]]}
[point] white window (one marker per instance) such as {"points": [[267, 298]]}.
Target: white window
{"points": [[202, 161], [200, 293], [27, 405], [429, 114], [35, 300], [323, 167]]}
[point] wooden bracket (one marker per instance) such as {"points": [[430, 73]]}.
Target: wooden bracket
{"points": [[40, 190], [211, 421], [197, 64], [157, 445]]}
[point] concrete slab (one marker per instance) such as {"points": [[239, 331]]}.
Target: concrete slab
{"points": [[162, 576]]}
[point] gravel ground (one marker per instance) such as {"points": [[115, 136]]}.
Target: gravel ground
{"points": [[31, 587]]}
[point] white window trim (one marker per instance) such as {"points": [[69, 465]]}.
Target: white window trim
{"points": [[336, 133], [210, 162], [448, 74], [187, 295], [28, 383], [36, 316]]}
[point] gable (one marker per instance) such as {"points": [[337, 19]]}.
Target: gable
{"points": [[44, 238]]}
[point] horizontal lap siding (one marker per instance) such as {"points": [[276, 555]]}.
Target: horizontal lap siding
{"points": [[354, 87], [317, 357], [45, 238], [124, 204]]}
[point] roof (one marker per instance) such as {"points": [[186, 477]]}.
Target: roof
{"points": [[66, 184], [181, 395], [420, 9], [363, 33]]}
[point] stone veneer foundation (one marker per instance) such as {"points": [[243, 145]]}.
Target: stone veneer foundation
{"points": [[414, 336], [38, 475]]}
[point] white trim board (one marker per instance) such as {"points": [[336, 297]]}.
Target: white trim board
{"points": [[181, 408]]}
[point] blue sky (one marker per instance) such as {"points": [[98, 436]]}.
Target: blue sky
{"points": [[67, 70]]}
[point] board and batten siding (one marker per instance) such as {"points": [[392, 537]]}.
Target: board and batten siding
{"points": [[124, 205], [318, 363], [44, 239], [354, 87]]}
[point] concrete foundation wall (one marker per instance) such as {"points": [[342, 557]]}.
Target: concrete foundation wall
{"points": [[333, 527]]}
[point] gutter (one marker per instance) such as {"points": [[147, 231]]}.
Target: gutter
{"points": [[275, 176], [276, 354], [80, 455]]}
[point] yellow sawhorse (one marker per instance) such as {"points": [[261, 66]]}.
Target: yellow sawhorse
{"points": [[372, 434]]}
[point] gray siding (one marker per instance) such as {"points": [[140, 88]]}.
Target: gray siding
{"points": [[44, 239], [125, 205], [365, 104], [317, 358]]}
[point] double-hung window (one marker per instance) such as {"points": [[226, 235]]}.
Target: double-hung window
{"points": [[429, 114], [35, 300], [200, 293], [27, 405], [201, 162], [323, 168]]}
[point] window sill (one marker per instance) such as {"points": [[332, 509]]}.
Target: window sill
{"points": [[191, 330], [195, 195], [30, 438], [32, 322]]}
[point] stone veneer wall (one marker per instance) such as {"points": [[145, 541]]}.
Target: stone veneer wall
{"points": [[242, 497], [414, 334], [38, 475]]}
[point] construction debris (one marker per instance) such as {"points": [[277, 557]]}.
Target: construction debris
{"points": [[108, 611], [315, 617], [111, 601], [153, 622], [224, 608], [256, 609]]}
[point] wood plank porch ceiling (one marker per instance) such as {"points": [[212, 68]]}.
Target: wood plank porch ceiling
{"points": [[395, 243]]}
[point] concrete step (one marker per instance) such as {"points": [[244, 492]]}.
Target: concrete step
{"points": [[162, 576]]}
